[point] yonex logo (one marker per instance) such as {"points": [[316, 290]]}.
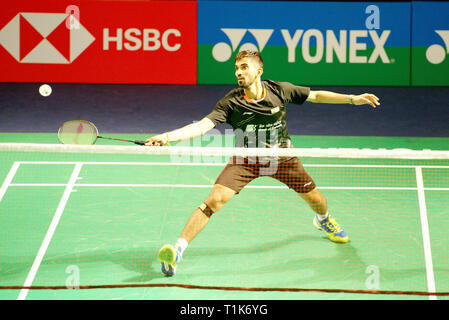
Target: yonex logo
{"points": [[327, 44], [45, 38], [223, 51], [436, 53]]}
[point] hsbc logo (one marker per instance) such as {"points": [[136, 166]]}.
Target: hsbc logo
{"points": [[148, 39], [45, 38]]}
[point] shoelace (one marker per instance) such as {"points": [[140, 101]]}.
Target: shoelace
{"points": [[178, 256], [331, 225]]}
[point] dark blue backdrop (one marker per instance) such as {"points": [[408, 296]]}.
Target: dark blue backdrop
{"points": [[404, 111]]}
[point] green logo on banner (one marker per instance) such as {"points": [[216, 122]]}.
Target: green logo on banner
{"points": [[310, 56]]}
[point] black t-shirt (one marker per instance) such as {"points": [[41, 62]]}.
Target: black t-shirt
{"points": [[261, 123]]}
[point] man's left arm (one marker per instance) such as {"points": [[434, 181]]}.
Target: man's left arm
{"points": [[332, 97]]}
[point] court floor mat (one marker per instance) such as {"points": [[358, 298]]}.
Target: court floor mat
{"points": [[96, 222]]}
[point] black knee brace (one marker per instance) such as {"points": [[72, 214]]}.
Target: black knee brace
{"points": [[206, 209]]}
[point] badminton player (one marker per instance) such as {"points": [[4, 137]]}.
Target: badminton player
{"points": [[257, 112]]}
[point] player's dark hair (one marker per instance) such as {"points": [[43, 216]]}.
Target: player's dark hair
{"points": [[250, 54]]}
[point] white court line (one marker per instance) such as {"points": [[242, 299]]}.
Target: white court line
{"points": [[220, 164], [7, 182], [113, 185], [425, 232], [51, 230], [217, 164], [38, 185]]}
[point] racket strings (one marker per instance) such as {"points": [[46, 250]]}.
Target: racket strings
{"points": [[83, 132], [78, 132]]}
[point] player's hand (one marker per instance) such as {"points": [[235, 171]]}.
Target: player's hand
{"points": [[366, 98], [158, 140]]}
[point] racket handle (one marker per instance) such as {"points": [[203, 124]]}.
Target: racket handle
{"points": [[139, 142]]}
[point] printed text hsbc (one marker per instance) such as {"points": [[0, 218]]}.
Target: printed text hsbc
{"points": [[134, 39]]}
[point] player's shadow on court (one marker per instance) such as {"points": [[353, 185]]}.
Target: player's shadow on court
{"points": [[346, 266], [142, 261], [343, 264], [145, 260], [260, 248]]}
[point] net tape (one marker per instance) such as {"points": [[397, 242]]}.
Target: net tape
{"points": [[228, 151]]}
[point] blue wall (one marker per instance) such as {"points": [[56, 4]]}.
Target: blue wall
{"points": [[404, 111]]}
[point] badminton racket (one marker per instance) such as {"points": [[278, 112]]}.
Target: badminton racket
{"points": [[85, 133]]}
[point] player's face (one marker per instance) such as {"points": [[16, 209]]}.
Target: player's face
{"points": [[247, 71]]}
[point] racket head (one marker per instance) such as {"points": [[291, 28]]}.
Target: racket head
{"points": [[81, 132]]}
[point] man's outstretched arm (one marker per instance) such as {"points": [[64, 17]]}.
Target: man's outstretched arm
{"points": [[332, 97], [187, 132]]}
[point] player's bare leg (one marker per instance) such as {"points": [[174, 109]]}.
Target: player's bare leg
{"points": [[170, 256], [199, 218], [323, 220], [316, 201]]}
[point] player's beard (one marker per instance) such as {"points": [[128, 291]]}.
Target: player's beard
{"points": [[246, 82]]}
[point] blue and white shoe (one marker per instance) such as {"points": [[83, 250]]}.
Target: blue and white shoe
{"points": [[334, 232], [169, 257]]}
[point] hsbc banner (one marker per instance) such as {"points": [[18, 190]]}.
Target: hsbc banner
{"points": [[98, 41], [430, 44], [332, 43]]}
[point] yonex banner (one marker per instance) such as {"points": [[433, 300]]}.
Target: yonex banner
{"points": [[430, 43], [98, 41], [332, 43]]}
